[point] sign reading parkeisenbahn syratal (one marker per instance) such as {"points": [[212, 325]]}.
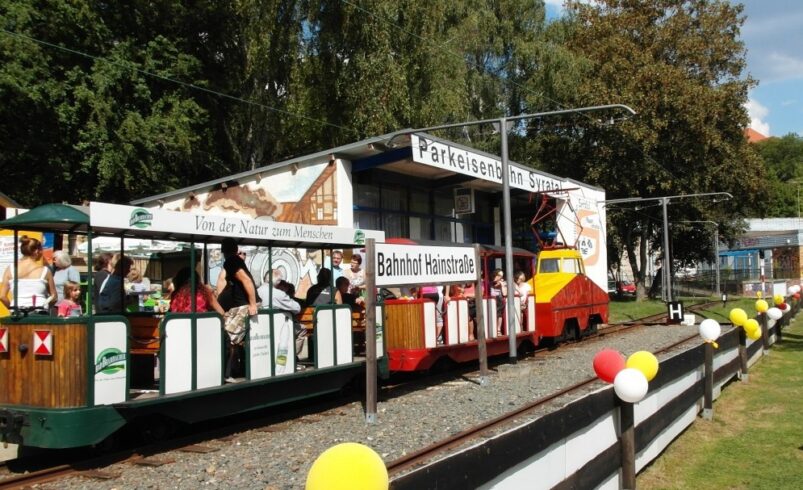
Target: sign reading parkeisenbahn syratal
{"points": [[116, 216], [399, 265]]}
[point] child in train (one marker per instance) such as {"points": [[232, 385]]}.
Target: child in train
{"points": [[70, 305]]}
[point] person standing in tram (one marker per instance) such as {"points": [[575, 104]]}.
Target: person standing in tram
{"points": [[356, 276], [102, 267], [110, 297], [34, 281], [337, 269], [64, 271], [239, 300]]}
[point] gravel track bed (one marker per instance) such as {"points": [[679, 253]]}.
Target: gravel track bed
{"points": [[280, 456]]}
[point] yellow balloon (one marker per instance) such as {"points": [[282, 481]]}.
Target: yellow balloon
{"points": [[752, 325], [762, 306], [754, 334], [738, 316], [777, 299], [348, 466], [759, 294], [645, 362]]}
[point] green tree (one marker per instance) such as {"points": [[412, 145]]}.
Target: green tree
{"points": [[783, 158], [87, 103], [679, 64]]}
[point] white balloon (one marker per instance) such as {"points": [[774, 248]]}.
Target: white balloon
{"points": [[785, 308], [710, 329], [775, 313], [794, 289], [630, 385]]}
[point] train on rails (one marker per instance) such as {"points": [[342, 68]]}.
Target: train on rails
{"points": [[76, 381]]}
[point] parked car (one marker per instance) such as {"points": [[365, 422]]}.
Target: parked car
{"points": [[626, 288]]}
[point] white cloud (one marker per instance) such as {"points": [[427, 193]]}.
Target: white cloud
{"points": [[758, 113]]}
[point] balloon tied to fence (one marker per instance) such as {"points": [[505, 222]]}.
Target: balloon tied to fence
{"points": [[630, 377], [710, 329]]}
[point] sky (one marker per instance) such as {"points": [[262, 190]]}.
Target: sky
{"points": [[773, 37]]}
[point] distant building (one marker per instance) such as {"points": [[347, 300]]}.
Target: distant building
{"points": [[753, 136]]}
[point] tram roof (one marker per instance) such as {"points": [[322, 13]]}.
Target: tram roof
{"points": [[50, 217], [67, 218]]}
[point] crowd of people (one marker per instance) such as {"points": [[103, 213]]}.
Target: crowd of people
{"points": [[235, 296]]}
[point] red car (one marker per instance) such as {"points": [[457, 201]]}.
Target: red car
{"points": [[626, 288]]}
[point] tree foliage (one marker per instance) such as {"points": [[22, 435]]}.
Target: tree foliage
{"points": [[679, 64], [783, 158]]}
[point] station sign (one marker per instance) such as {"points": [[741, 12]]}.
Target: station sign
{"points": [[399, 265], [120, 217], [43, 342], [481, 166], [3, 340]]}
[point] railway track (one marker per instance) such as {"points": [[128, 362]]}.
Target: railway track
{"points": [[442, 448], [95, 467]]}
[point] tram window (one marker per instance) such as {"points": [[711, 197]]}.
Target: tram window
{"points": [[366, 195], [571, 266], [549, 265]]}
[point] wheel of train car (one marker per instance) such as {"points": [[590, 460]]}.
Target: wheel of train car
{"points": [[442, 365], [571, 331], [593, 325], [155, 428], [111, 443]]}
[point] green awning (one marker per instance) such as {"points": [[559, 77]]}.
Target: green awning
{"points": [[50, 217]]}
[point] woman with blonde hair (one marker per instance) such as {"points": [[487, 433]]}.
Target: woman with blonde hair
{"points": [[35, 286]]}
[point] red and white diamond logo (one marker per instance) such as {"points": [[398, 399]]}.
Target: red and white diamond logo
{"points": [[3, 340], [43, 342]]}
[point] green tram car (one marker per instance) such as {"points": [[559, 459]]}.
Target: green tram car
{"points": [[76, 381]]}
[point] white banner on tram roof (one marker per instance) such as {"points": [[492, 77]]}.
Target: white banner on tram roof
{"points": [[456, 159], [399, 265], [117, 216]]}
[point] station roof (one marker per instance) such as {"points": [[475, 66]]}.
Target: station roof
{"points": [[392, 152]]}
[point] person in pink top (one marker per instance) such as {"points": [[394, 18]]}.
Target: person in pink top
{"points": [[70, 306]]}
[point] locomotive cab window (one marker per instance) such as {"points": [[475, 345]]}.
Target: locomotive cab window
{"points": [[549, 265], [572, 266]]}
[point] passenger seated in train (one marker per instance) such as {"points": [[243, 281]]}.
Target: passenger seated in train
{"points": [[354, 301], [274, 289], [181, 298], [460, 291], [322, 292]]}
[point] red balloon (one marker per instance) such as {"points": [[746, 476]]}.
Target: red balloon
{"points": [[608, 363], [782, 306], [796, 295]]}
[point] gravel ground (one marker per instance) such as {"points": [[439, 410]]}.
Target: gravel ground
{"points": [[280, 456]]}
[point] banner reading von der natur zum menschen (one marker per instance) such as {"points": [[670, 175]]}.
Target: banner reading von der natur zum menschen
{"points": [[400, 265]]}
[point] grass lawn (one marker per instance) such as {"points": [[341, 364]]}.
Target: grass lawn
{"points": [[628, 309], [756, 437]]}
